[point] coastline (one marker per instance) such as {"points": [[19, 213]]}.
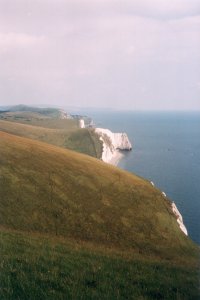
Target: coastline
{"points": [[113, 143]]}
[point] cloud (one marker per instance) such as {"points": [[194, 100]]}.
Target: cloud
{"points": [[126, 53], [161, 9], [15, 40]]}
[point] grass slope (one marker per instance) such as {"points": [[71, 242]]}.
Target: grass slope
{"points": [[64, 193], [37, 267], [64, 133], [42, 117], [38, 119], [73, 226]]}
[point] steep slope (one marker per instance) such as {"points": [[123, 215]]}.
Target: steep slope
{"points": [[52, 190], [74, 227], [63, 133]]}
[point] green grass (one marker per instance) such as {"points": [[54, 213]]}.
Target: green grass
{"points": [[64, 133], [68, 194], [38, 267], [42, 117], [45, 125], [84, 141], [40, 120], [73, 227]]}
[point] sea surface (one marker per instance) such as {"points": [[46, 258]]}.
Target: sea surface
{"points": [[166, 150]]}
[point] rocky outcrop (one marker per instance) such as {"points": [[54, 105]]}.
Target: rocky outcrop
{"points": [[112, 143], [179, 218]]}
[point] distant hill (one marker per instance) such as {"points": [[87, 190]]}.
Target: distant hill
{"points": [[28, 113], [24, 108], [23, 114]]}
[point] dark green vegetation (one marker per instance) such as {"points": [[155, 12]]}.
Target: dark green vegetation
{"points": [[73, 227]]}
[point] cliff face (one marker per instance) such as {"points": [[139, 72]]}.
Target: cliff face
{"points": [[179, 218], [112, 142]]}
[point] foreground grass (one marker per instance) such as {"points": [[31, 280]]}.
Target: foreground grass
{"points": [[34, 267]]}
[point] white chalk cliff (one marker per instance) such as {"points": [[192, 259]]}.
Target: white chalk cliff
{"points": [[81, 123], [179, 218], [176, 212], [112, 143]]}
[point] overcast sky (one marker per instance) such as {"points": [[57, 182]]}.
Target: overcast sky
{"points": [[128, 54]]}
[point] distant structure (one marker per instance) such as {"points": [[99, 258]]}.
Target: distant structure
{"points": [[81, 123]]}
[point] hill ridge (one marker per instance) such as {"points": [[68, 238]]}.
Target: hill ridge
{"points": [[72, 194]]}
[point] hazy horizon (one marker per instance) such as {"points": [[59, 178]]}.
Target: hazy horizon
{"points": [[131, 55], [103, 109]]}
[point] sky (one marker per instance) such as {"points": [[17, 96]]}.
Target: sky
{"points": [[128, 54]]}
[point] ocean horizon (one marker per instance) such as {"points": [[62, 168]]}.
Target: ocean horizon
{"points": [[166, 150]]}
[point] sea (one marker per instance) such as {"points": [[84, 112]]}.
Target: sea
{"points": [[166, 150]]}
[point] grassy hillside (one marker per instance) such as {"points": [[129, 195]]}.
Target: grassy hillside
{"points": [[65, 193], [38, 267], [46, 124], [38, 119], [24, 111], [43, 117], [73, 226], [64, 133]]}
